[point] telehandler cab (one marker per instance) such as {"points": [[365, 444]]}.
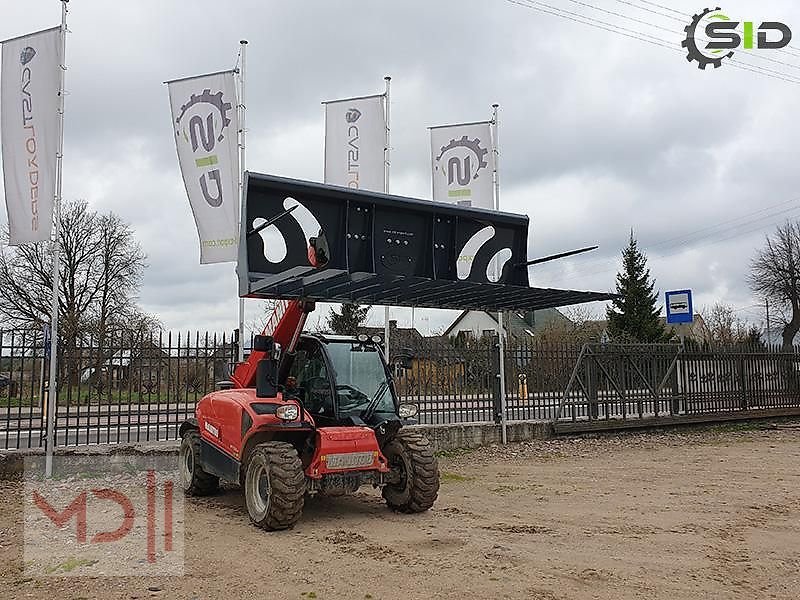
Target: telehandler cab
{"points": [[317, 413]]}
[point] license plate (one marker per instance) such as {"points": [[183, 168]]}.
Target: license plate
{"points": [[350, 460]]}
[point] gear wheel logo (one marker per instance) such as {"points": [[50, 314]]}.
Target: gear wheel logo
{"points": [[26, 55], [463, 158], [693, 51], [352, 115], [216, 101]]}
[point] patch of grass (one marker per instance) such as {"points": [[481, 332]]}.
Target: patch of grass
{"points": [[71, 564], [455, 452], [737, 426], [445, 476]]}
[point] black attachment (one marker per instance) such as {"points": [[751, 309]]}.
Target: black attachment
{"points": [[348, 245], [544, 259], [269, 222]]}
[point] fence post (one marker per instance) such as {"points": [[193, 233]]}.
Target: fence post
{"points": [[494, 357], [745, 400], [591, 388], [680, 383]]}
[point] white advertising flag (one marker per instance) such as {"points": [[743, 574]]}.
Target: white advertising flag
{"points": [[355, 139], [462, 163], [29, 132], [205, 123]]}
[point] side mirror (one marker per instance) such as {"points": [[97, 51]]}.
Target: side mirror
{"points": [[266, 376]]}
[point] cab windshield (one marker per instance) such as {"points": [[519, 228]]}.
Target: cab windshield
{"points": [[360, 378]]}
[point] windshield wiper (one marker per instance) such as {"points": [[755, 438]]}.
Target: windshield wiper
{"points": [[373, 403]]}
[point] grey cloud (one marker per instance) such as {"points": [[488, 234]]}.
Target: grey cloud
{"points": [[598, 133]]}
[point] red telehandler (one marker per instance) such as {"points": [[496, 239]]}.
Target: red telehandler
{"points": [[332, 425], [318, 413]]}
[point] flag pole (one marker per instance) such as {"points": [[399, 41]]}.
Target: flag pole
{"points": [[386, 164], [52, 388], [242, 111], [500, 331]]}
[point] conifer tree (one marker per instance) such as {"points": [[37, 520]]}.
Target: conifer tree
{"points": [[349, 318], [634, 315]]}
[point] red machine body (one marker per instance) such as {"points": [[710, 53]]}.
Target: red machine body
{"points": [[341, 449], [233, 421]]}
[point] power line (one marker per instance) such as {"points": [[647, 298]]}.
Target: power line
{"points": [[556, 14], [660, 6], [686, 238], [641, 36], [584, 269], [671, 242]]}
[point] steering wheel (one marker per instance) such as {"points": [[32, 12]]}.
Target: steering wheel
{"points": [[316, 388]]}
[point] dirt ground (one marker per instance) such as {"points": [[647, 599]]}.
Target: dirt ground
{"points": [[701, 514]]}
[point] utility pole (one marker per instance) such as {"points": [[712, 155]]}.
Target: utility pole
{"points": [[769, 334]]}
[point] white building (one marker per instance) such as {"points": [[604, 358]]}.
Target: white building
{"points": [[520, 325]]}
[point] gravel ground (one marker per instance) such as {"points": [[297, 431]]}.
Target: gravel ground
{"points": [[711, 513]]}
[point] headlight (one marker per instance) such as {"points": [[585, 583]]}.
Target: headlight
{"points": [[363, 337], [287, 412], [406, 411]]}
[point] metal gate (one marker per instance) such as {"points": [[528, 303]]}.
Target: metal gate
{"points": [[623, 381]]}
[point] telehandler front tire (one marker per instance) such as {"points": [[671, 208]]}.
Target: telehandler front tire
{"points": [[195, 481], [414, 483], [274, 486]]}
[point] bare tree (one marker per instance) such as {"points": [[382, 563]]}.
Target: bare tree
{"points": [[100, 272], [775, 274], [579, 327], [722, 326]]}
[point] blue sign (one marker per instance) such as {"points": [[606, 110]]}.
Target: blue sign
{"points": [[679, 306]]}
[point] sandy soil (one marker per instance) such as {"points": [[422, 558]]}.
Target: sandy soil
{"points": [[706, 514]]}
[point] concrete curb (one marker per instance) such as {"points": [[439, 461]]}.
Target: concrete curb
{"points": [[443, 437], [12, 461], [475, 435]]}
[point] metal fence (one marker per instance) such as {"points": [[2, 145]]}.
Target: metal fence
{"points": [[118, 389], [126, 388]]}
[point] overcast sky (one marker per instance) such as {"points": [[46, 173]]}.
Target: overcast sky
{"points": [[599, 133]]}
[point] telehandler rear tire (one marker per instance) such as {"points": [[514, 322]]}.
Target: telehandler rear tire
{"points": [[195, 481], [274, 486], [415, 473]]}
